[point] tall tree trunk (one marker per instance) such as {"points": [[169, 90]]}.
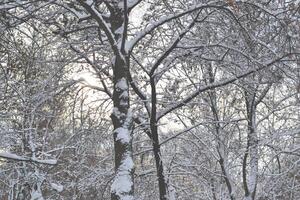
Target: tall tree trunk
{"points": [[123, 185], [159, 165], [156, 146], [219, 134], [252, 149]]}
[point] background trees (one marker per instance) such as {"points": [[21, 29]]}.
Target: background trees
{"points": [[202, 93]]}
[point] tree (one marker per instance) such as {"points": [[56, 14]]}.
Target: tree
{"points": [[145, 59]]}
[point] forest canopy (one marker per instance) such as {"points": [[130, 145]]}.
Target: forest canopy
{"points": [[150, 99]]}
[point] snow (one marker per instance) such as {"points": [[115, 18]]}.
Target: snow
{"points": [[130, 3], [36, 195], [122, 183], [57, 187], [172, 193], [123, 135], [120, 30], [116, 112], [9, 5], [127, 163], [124, 95], [122, 84], [9, 155], [129, 45], [127, 197], [47, 161], [156, 23], [89, 2]]}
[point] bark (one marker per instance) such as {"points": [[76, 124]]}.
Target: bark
{"points": [[123, 185], [156, 146], [252, 150]]}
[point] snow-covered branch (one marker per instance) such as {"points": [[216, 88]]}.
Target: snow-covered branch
{"points": [[217, 85], [11, 156]]}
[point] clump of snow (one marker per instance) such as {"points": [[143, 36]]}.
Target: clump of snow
{"points": [[89, 2], [48, 161], [57, 187], [172, 193], [36, 195], [123, 184], [116, 112], [121, 84], [127, 197], [128, 117], [123, 135], [130, 3], [127, 164], [9, 155], [124, 95], [120, 30]]}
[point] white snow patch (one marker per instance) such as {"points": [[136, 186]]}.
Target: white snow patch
{"points": [[122, 183], [172, 193], [36, 195], [116, 111], [120, 30], [48, 161], [127, 197], [127, 164], [124, 95], [89, 2], [57, 187], [122, 84], [130, 3], [123, 135], [9, 155]]}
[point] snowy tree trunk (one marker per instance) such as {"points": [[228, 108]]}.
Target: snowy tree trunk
{"points": [[220, 136], [123, 185], [253, 155], [115, 28], [252, 150]]}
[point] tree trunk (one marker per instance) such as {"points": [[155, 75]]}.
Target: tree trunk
{"points": [[159, 166], [123, 185], [156, 147], [219, 134], [251, 151]]}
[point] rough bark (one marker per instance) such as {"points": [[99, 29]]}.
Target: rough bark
{"points": [[123, 185]]}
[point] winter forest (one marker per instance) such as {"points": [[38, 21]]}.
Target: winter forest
{"points": [[149, 99]]}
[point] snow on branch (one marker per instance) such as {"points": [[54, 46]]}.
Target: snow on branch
{"points": [[172, 46], [217, 85], [153, 25], [105, 26], [11, 156]]}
